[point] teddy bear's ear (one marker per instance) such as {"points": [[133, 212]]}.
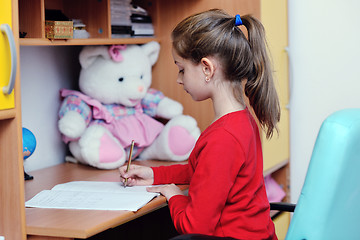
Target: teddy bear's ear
{"points": [[151, 50], [89, 54]]}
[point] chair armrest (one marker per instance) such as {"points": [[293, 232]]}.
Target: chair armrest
{"points": [[282, 206]]}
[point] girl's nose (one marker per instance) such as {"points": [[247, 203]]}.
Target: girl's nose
{"points": [[178, 80]]}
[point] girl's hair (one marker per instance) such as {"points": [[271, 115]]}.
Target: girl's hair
{"points": [[214, 33]]}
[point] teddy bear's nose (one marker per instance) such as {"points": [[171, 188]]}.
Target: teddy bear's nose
{"points": [[140, 88]]}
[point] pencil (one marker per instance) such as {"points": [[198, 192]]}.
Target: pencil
{"points": [[129, 161]]}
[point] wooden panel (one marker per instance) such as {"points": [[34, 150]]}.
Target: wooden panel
{"points": [[11, 179], [32, 17], [5, 114], [47, 238], [277, 149], [82, 42], [165, 72], [12, 220], [12, 211], [282, 177], [93, 13], [281, 224], [274, 19]]}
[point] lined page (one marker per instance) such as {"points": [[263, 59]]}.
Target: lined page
{"points": [[92, 196]]}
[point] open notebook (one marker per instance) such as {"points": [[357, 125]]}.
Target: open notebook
{"points": [[92, 195]]}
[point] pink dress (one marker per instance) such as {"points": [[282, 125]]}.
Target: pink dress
{"points": [[125, 123]]}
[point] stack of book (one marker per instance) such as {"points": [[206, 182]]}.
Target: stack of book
{"points": [[141, 22], [120, 18], [129, 20]]}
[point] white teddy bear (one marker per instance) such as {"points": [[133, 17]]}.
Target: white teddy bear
{"points": [[116, 105]]}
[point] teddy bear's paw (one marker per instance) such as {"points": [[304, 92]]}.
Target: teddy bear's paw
{"points": [[75, 150], [176, 141], [169, 108], [100, 149], [183, 133], [71, 159], [72, 124]]}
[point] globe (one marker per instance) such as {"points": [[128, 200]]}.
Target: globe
{"points": [[29, 143]]}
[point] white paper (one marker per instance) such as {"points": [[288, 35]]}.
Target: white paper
{"points": [[92, 195]]}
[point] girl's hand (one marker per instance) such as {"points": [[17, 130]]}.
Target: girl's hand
{"points": [[166, 190], [137, 175]]}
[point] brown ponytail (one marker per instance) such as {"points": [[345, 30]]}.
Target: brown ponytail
{"points": [[260, 88], [214, 33]]}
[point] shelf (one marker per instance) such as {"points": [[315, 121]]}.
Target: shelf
{"points": [[7, 114], [90, 41], [276, 167], [95, 14]]}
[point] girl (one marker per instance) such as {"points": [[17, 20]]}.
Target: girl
{"points": [[227, 196]]}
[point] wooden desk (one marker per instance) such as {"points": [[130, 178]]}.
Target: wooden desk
{"points": [[67, 223]]}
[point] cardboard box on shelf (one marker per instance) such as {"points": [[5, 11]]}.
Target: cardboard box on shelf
{"points": [[58, 29]]}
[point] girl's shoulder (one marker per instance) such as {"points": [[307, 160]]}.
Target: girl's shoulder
{"points": [[233, 120], [239, 125]]}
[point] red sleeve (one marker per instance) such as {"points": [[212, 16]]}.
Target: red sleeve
{"points": [[178, 174], [217, 166]]}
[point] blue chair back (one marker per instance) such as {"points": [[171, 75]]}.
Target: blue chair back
{"points": [[329, 204]]}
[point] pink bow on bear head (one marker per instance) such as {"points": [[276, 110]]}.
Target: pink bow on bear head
{"points": [[114, 52]]}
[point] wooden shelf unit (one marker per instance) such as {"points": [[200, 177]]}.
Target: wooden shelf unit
{"points": [[95, 14]]}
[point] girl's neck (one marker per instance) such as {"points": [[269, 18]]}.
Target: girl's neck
{"points": [[224, 102]]}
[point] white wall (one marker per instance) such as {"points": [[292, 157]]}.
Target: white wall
{"points": [[44, 70], [324, 50]]}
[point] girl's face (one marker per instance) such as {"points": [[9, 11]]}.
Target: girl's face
{"points": [[192, 77]]}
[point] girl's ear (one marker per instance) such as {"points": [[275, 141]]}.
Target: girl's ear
{"points": [[208, 67]]}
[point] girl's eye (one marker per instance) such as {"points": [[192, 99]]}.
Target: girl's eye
{"points": [[181, 71]]}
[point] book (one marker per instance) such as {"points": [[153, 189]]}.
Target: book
{"points": [[92, 195], [143, 29]]}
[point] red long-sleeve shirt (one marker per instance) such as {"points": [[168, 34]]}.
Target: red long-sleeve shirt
{"points": [[227, 195]]}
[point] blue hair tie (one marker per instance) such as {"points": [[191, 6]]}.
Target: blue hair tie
{"points": [[238, 20]]}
